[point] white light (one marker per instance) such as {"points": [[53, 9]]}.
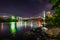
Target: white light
{"points": [[5, 16]]}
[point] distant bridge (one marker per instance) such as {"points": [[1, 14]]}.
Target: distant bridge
{"points": [[18, 22]]}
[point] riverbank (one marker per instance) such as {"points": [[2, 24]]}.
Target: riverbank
{"points": [[54, 32]]}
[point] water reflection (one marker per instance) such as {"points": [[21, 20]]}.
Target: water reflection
{"points": [[13, 27]]}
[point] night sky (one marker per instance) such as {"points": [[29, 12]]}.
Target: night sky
{"points": [[23, 8]]}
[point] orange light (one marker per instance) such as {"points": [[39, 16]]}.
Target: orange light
{"points": [[39, 23], [48, 12]]}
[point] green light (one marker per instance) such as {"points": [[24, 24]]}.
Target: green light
{"points": [[13, 17], [12, 27]]}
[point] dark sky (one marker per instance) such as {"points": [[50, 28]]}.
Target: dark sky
{"points": [[23, 8]]}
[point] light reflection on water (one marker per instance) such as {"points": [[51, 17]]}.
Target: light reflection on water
{"points": [[4, 27]]}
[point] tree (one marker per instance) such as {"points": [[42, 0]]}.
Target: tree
{"points": [[2, 20], [50, 20], [11, 19], [56, 8]]}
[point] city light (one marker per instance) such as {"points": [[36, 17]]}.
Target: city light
{"points": [[31, 24], [13, 17], [25, 24], [22, 23], [18, 25], [2, 26], [12, 27], [39, 23]]}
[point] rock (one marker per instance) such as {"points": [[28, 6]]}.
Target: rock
{"points": [[53, 32]]}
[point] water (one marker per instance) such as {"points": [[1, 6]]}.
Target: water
{"points": [[8, 28]]}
